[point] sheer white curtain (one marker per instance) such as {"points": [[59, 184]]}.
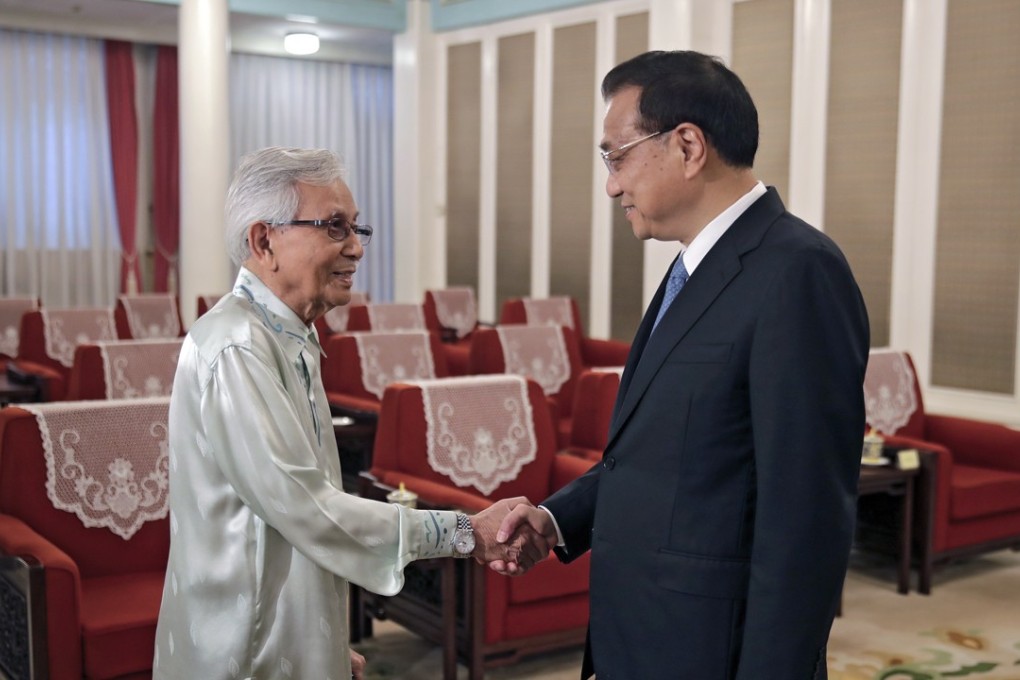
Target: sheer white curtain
{"points": [[344, 107], [58, 236]]}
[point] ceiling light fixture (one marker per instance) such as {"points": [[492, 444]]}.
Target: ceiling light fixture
{"points": [[301, 43]]}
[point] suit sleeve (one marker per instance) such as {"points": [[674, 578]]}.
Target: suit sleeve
{"points": [[573, 506], [806, 372]]}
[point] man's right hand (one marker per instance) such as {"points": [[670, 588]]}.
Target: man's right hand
{"points": [[523, 519]]}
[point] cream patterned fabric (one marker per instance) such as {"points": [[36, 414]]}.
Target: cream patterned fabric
{"points": [[336, 318], [552, 311], [152, 316], [65, 329], [480, 429], [139, 368], [456, 309], [889, 399], [387, 358], [396, 316], [11, 311], [263, 538], [106, 461], [536, 352]]}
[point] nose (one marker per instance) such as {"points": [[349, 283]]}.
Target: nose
{"points": [[352, 248], [613, 187]]}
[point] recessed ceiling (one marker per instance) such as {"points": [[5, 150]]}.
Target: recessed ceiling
{"points": [[150, 22]]}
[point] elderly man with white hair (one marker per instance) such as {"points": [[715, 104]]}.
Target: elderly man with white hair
{"points": [[263, 537]]}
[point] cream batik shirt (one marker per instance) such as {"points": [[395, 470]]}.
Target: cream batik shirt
{"points": [[263, 538]]}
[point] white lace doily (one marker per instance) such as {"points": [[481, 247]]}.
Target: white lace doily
{"points": [[139, 368], [152, 316], [480, 429], [552, 311], [889, 399], [387, 358], [107, 461], [65, 329], [618, 370], [336, 318], [11, 311], [396, 316], [456, 309], [536, 352]]}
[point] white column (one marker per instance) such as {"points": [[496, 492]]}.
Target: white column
{"points": [[418, 235], [203, 50], [808, 110]]}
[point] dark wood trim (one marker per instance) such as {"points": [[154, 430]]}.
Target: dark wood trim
{"points": [[23, 628]]}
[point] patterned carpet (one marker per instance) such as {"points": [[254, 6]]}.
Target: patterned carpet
{"points": [[969, 627]]}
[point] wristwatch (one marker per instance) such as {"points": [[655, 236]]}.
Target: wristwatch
{"points": [[463, 537]]}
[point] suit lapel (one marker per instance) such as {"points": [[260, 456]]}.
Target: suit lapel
{"points": [[720, 266]]}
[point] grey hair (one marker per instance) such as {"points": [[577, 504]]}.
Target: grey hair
{"points": [[264, 188]]}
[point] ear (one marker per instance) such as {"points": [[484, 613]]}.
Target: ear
{"points": [[260, 244], [693, 147]]}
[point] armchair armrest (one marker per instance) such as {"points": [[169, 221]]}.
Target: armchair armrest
{"points": [[598, 352], [976, 442], [62, 592], [565, 469]]}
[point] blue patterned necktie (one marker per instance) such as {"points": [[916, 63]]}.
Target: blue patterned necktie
{"points": [[677, 278]]}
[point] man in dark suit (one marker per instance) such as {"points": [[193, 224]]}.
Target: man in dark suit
{"points": [[720, 518]]}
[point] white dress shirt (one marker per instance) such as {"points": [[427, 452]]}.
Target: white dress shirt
{"points": [[263, 538]]}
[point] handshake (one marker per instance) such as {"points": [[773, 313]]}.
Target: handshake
{"points": [[512, 535]]}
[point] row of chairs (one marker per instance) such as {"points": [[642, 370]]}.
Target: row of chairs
{"points": [[47, 340]]}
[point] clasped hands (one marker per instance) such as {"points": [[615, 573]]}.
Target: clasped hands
{"points": [[512, 535]]}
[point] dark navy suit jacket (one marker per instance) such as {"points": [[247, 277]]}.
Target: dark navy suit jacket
{"points": [[721, 516]]}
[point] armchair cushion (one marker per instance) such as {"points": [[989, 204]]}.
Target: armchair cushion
{"points": [[979, 491], [116, 639]]}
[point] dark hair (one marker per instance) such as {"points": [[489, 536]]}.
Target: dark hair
{"points": [[690, 87]]}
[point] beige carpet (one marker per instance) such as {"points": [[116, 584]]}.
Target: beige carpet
{"points": [[968, 628]]}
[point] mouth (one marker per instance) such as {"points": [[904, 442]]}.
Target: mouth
{"points": [[345, 276]]}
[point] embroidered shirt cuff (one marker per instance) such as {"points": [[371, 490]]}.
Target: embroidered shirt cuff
{"points": [[437, 527]]}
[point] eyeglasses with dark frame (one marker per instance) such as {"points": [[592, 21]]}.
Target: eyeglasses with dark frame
{"points": [[612, 157], [337, 228]]}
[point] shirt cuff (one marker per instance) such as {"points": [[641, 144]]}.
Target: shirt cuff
{"points": [[437, 530], [556, 525]]}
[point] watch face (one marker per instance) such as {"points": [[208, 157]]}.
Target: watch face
{"points": [[464, 542]]}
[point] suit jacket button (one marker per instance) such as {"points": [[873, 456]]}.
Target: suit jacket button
{"points": [[609, 463]]}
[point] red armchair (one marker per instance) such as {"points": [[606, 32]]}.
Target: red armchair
{"points": [[594, 399], [594, 351], [149, 316], [971, 483], [350, 391], [488, 355], [11, 311], [92, 597], [123, 369], [501, 618], [386, 317], [452, 314], [47, 343]]}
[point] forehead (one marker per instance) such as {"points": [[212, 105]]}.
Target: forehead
{"points": [[335, 197], [622, 116]]}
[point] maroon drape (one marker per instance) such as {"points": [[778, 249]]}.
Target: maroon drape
{"points": [[120, 102], [166, 210]]}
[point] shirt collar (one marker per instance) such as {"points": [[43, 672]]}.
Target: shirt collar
{"points": [[714, 230], [275, 315]]}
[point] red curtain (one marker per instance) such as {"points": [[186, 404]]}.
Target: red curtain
{"points": [[120, 102], [166, 210]]}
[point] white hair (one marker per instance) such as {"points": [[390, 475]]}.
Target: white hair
{"points": [[264, 189]]}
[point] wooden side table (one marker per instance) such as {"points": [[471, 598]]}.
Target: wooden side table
{"points": [[899, 483]]}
